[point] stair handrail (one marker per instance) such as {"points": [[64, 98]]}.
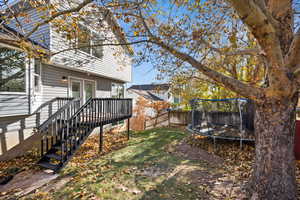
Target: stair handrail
{"points": [[59, 111], [68, 128], [80, 109], [49, 102]]}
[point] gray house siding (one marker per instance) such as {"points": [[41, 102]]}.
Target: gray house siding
{"points": [[42, 35], [115, 63], [15, 130], [13, 104], [16, 119], [54, 87]]}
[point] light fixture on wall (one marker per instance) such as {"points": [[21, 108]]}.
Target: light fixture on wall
{"points": [[64, 79]]}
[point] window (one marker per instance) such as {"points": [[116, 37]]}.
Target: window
{"points": [[176, 100], [12, 70], [86, 39], [97, 51], [37, 75], [117, 90]]}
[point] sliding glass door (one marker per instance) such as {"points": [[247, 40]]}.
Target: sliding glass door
{"points": [[76, 89], [89, 87], [82, 89]]}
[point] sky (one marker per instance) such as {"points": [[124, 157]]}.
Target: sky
{"points": [[143, 74]]}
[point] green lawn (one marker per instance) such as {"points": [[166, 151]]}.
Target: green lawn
{"points": [[144, 169]]}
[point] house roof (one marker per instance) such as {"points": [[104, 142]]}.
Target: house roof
{"points": [[147, 95], [109, 17], [6, 34], [164, 86]]}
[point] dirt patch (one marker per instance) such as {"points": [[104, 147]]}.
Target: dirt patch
{"points": [[193, 153], [216, 184], [27, 182], [214, 181]]}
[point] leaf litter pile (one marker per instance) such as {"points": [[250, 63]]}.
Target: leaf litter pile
{"points": [[113, 140], [238, 162], [10, 168]]}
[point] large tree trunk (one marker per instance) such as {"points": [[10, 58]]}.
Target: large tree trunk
{"points": [[274, 168]]}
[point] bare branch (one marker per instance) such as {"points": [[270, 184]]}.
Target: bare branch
{"points": [[98, 45]]}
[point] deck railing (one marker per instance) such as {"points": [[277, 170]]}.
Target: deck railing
{"points": [[51, 128], [48, 108], [68, 128], [97, 112]]}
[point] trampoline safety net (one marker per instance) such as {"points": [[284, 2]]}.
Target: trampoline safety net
{"points": [[230, 119]]}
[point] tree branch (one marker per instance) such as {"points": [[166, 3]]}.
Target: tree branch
{"points": [[228, 82], [269, 36], [292, 58], [98, 45], [76, 9], [262, 28], [252, 52]]}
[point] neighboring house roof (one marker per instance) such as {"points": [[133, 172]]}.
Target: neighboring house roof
{"points": [[163, 86], [147, 95]]}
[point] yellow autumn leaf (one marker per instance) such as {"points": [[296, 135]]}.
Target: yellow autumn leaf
{"points": [[135, 33]]}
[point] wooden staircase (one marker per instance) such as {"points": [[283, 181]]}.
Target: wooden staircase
{"points": [[65, 131]]}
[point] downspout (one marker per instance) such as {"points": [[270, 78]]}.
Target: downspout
{"points": [[29, 87]]}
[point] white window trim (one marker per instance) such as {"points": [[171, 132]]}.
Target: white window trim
{"points": [[91, 42], [119, 84], [82, 81], [39, 76], [27, 70]]}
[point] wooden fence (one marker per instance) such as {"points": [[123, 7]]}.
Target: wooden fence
{"points": [[168, 119]]}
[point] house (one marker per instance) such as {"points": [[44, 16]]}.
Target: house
{"points": [[149, 101], [154, 92], [38, 92]]}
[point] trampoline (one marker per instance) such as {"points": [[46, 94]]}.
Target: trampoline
{"points": [[226, 119]]}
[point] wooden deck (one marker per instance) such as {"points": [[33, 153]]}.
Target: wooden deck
{"points": [[68, 128]]}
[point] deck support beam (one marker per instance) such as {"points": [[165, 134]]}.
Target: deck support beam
{"points": [[101, 139], [128, 128]]}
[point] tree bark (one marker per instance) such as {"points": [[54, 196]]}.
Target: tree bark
{"points": [[274, 168]]}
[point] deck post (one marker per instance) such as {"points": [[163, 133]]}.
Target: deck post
{"points": [[101, 139], [128, 128]]}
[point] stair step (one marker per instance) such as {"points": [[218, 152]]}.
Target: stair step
{"points": [[48, 165], [57, 146], [69, 150], [54, 156]]}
